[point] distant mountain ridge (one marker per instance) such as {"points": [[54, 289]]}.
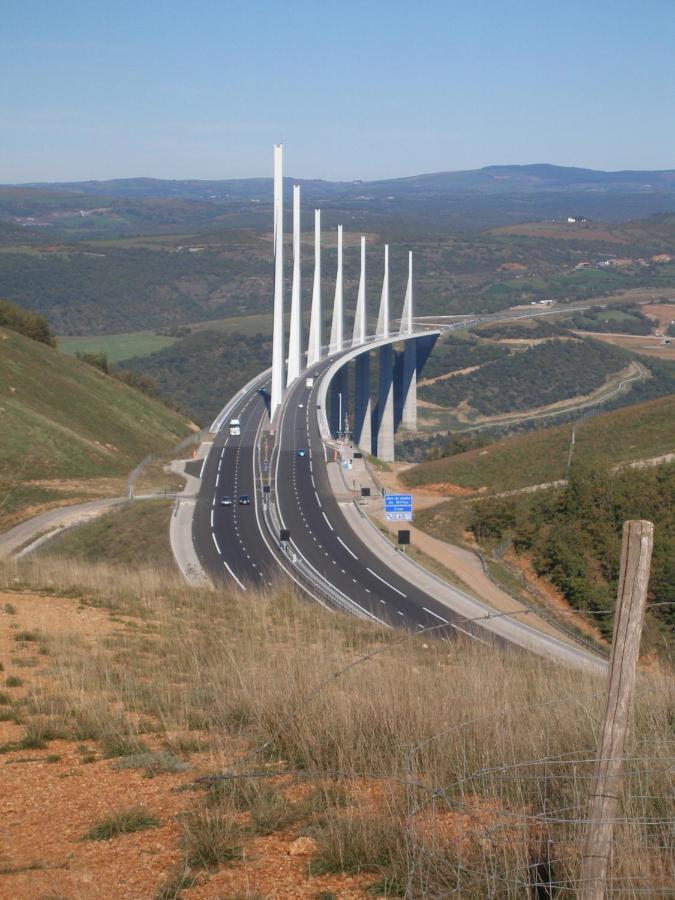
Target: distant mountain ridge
{"points": [[496, 179]]}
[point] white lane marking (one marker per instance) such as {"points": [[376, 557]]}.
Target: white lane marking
{"points": [[215, 541], [223, 453], [242, 586], [385, 582], [347, 548], [217, 480], [201, 471], [327, 522], [212, 518], [317, 499], [435, 615], [472, 636], [399, 612]]}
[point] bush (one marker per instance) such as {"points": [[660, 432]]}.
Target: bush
{"points": [[29, 324]]}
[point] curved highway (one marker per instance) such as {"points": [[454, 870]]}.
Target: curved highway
{"points": [[324, 556]]}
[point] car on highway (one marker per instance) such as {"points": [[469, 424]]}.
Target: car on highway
{"points": [[244, 500], [226, 501], [302, 452]]}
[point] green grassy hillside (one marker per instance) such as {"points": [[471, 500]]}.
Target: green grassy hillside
{"points": [[634, 432], [62, 420]]}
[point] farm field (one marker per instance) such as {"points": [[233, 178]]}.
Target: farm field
{"points": [[646, 345], [117, 347]]}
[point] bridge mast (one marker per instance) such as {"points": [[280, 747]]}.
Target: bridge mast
{"points": [[336, 331], [362, 406], [278, 328], [314, 345], [385, 404], [295, 337], [409, 375]]}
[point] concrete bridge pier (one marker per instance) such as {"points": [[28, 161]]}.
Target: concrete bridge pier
{"points": [[408, 386], [384, 439], [362, 406], [338, 402]]}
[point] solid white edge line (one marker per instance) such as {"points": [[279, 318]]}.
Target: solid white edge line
{"points": [[347, 548], [385, 582], [435, 615], [242, 586], [468, 634]]}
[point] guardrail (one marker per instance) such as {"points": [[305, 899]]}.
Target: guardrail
{"points": [[219, 421]]}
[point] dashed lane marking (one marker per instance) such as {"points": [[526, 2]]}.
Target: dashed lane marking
{"points": [[329, 525]]}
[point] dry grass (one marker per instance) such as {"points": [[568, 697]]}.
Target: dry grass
{"points": [[122, 822], [440, 768]]}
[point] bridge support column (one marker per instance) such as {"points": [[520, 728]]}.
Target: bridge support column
{"points": [[362, 406], [385, 406], [338, 402], [409, 386]]}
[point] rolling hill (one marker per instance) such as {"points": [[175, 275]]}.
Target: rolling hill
{"points": [[635, 432], [476, 198], [496, 179], [64, 425]]}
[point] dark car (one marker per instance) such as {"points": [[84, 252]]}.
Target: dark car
{"points": [[302, 452], [244, 500], [226, 501]]}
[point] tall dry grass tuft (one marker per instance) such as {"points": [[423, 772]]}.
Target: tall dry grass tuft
{"points": [[440, 768]]}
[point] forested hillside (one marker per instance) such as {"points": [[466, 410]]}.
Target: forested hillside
{"points": [[158, 281], [542, 374], [202, 371], [634, 432], [573, 535]]}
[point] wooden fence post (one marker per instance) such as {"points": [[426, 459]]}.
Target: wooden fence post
{"points": [[636, 553]]}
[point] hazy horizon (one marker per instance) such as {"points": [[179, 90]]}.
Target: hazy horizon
{"points": [[298, 177]]}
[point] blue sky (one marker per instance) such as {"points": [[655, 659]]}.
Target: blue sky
{"points": [[368, 89]]}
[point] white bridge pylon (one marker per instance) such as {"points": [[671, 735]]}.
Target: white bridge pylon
{"points": [[374, 426]]}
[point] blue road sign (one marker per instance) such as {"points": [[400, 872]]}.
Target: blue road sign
{"points": [[398, 507]]}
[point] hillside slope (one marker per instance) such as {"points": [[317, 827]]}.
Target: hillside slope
{"points": [[62, 420], [634, 432]]}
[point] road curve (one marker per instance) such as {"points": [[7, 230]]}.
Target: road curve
{"points": [[325, 556]]}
